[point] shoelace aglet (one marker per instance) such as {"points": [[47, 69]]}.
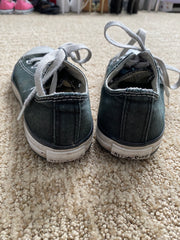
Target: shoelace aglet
{"points": [[167, 93], [83, 67], [21, 113]]}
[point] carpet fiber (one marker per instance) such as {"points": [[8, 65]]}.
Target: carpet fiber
{"points": [[99, 196]]}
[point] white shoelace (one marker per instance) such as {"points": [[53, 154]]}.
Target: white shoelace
{"points": [[48, 65], [140, 37]]}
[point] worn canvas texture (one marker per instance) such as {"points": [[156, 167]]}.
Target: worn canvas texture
{"points": [[99, 196]]}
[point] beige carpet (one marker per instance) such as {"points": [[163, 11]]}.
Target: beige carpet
{"points": [[98, 196]]}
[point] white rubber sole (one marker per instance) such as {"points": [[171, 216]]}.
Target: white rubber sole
{"points": [[9, 11], [50, 154], [123, 151], [57, 156], [24, 11]]}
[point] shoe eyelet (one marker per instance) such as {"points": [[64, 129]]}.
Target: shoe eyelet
{"points": [[28, 62], [33, 67]]}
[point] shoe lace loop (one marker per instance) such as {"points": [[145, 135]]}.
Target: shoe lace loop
{"points": [[140, 37], [48, 65]]}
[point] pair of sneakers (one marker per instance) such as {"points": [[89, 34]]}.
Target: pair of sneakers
{"points": [[55, 101], [20, 7]]}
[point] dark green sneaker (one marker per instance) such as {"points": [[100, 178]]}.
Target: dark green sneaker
{"points": [[131, 110], [55, 101]]}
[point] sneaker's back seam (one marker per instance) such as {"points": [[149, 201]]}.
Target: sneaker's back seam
{"points": [[148, 121], [123, 120]]}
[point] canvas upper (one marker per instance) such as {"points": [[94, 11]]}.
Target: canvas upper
{"points": [[131, 110], [54, 96]]}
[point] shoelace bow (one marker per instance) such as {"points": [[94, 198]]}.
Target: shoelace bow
{"points": [[140, 37], [48, 65]]}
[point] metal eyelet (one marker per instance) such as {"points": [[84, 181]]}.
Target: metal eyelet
{"points": [[33, 67], [28, 62]]}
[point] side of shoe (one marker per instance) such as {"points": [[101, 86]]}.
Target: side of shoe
{"points": [[130, 119], [131, 116], [46, 7], [6, 7], [23, 7], [57, 116]]}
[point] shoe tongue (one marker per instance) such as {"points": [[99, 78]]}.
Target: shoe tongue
{"points": [[62, 81], [67, 83], [137, 60], [136, 72]]}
